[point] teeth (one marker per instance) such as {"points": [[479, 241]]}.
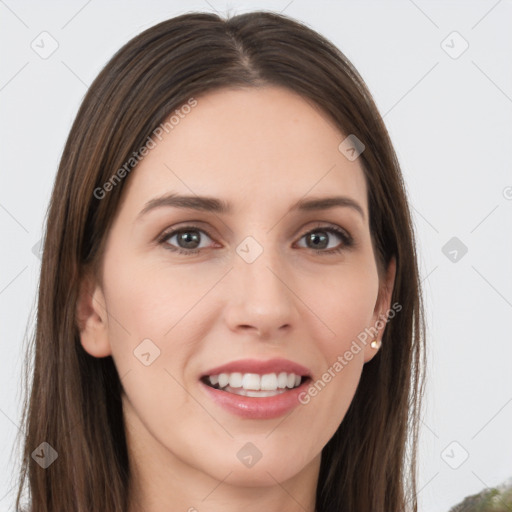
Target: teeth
{"points": [[255, 394], [269, 382], [251, 381], [282, 380], [235, 380], [223, 380], [256, 382]]}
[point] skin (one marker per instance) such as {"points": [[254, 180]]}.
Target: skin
{"points": [[261, 149]]}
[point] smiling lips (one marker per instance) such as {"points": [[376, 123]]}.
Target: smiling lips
{"points": [[256, 389]]}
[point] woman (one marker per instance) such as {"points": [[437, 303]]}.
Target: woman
{"points": [[229, 311]]}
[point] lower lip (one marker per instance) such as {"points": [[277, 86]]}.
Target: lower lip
{"points": [[260, 408]]}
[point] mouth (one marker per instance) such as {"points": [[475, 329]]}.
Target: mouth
{"points": [[253, 384], [256, 389]]}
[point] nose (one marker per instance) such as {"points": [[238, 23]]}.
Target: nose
{"points": [[261, 298]]}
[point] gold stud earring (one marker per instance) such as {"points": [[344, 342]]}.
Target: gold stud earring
{"points": [[375, 344]]}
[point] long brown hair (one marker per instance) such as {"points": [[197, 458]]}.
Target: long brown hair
{"points": [[74, 403]]}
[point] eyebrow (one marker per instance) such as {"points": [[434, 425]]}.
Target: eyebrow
{"points": [[212, 204]]}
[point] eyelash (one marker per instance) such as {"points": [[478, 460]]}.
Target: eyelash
{"points": [[347, 240]]}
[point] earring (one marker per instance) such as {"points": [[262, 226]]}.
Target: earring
{"points": [[376, 344]]}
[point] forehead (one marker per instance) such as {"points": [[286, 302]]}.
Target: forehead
{"points": [[250, 146]]}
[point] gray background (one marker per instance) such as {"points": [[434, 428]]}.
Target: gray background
{"points": [[449, 117]]}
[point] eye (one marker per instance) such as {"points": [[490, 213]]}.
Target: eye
{"points": [[188, 239], [188, 236], [318, 238]]}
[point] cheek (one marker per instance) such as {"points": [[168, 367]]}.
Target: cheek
{"points": [[150, 344], [345, 300], [346, 307], [149, 300], [146, 313], [157, 322]]}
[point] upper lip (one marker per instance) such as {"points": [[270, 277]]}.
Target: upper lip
{"points": [[260, 367]]}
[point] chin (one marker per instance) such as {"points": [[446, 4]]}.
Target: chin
{"points": [[272, 467], [259, 476]]}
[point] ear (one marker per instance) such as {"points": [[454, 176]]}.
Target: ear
{"points": [[382, 307], [92, 318]]}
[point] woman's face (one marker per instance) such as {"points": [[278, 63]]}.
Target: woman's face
{"points": [[257, 284]]}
